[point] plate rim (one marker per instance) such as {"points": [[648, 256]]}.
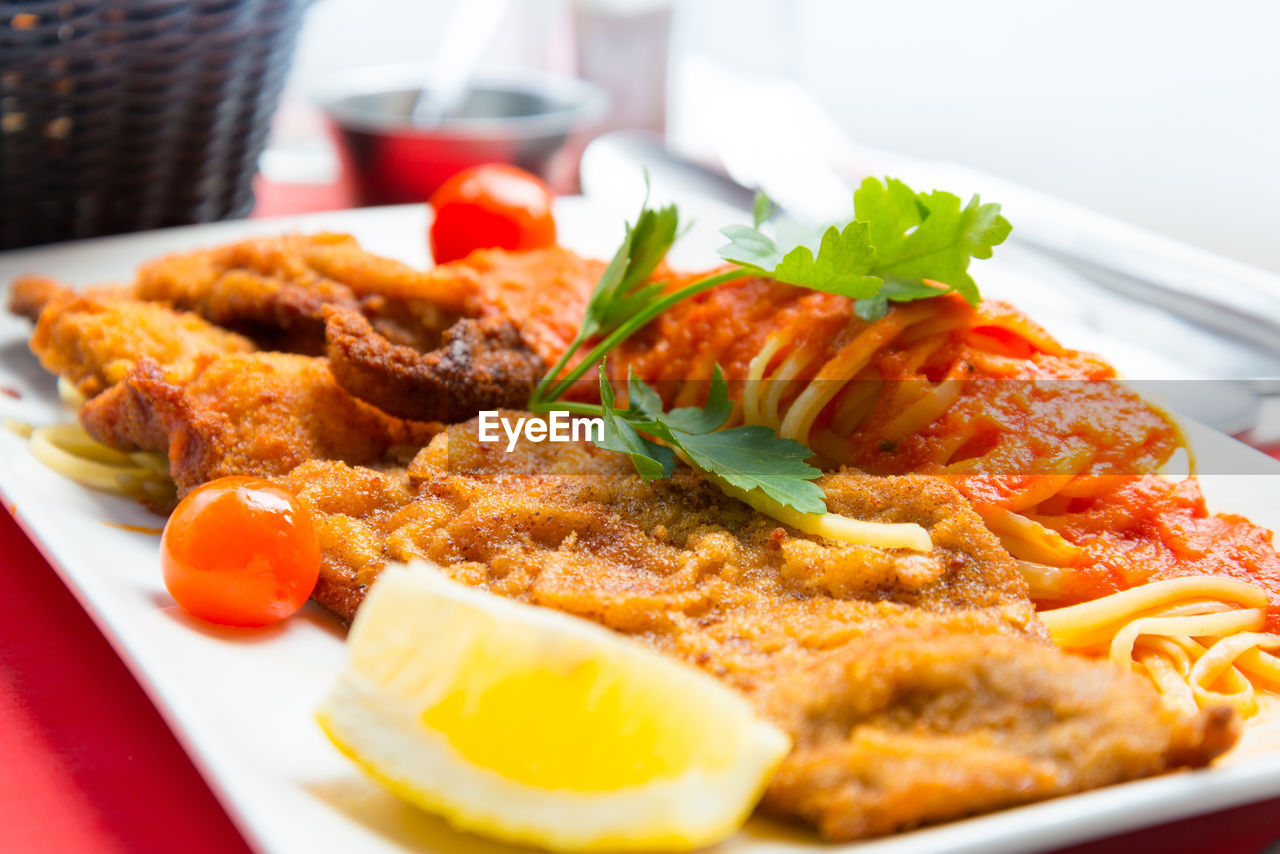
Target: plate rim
{"points": [[1065, 820]]}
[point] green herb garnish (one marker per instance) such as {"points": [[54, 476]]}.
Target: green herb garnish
{"points": [[896, 241], [751, 457]]}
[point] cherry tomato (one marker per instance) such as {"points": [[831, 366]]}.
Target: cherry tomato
{"points": [[494, 205], [240, 551]]}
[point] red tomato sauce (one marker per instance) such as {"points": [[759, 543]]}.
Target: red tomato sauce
{"points": [[1027, 409], [1151, 529]]}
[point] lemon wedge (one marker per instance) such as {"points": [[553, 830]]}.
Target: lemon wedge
{"points": [[531, 726]]}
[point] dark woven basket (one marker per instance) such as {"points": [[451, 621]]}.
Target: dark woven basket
{"points": [[122, 115]]}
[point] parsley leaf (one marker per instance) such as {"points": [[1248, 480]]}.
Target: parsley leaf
{"points": [[840, 267], [927, 235], [691, 419], [622, 289], [652, 461], [898, 290], [622, 296], [871, 308], [761, 209], [901, 246], [755, 457], [749, 458], [897, 239], [643, 399], [751, 248], [890, 210]]}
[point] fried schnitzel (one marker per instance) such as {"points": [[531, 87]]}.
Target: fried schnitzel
{"points": [[480, 364], [427, 346], [397, 337], [94, 340], [29, 294], [158, 379], [275, 289], [168, 380], [245, 413], [917, 687], [543, 291]]}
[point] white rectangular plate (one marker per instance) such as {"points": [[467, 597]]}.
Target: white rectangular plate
{"points": [[242, 703]]}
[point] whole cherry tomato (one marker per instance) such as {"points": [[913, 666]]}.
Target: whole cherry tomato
{"points": [[240, 551], [494, 205]]}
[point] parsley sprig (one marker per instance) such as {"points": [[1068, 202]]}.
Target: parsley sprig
{"points": [[900, 246], [749, 457]]}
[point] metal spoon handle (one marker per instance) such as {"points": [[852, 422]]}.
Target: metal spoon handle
{"points": [[471, 29]]}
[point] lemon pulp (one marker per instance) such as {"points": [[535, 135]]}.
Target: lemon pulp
{"points": [[536, 727]]}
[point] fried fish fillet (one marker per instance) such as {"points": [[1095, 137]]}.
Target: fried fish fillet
{"points": [[917, 688], [94, 340], [245, 413]]}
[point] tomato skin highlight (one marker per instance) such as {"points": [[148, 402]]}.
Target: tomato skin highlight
{"points": [[240, 551], [490, 206]]}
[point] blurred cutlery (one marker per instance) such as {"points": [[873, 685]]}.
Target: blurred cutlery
{"points": [[472, 27], [1222, 353]]}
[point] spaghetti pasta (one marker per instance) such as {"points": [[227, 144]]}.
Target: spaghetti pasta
{"points": [[1196, 637], [1059, 458], [911, 392], [889, 535], [69, 450]]}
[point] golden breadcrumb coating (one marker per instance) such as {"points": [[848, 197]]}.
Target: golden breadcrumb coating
{"points": [[251, 413], [917, 687], [94, 340]]}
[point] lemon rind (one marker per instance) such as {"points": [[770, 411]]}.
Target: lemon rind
{"points": [[674, 814], [368, 719]]}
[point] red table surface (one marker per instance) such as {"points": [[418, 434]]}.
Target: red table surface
{"points": [[87, 765]]}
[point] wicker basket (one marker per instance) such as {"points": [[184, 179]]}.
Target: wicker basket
{"points": [[121, 115]]}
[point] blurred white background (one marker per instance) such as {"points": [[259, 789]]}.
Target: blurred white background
{"points": [[1164, 114]]}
